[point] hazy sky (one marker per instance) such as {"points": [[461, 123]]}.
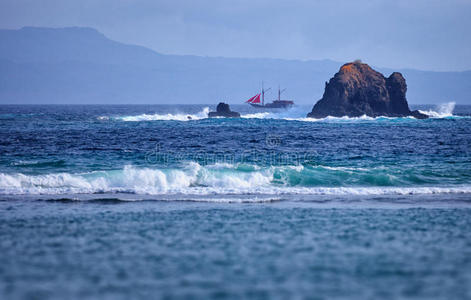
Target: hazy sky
{"points": [[423, 34]]}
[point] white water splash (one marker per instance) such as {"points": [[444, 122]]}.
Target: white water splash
{"points": [[145, 181], [287, 117], [293, 114], [165, 117], [441, 111], [285, 114], [444, 110], [194, 179]]}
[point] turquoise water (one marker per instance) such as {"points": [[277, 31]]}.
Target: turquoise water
{"points": [[143, 202]]}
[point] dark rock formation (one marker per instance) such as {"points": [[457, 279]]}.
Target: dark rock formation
{"points": [[358, 90], [223, 110]]}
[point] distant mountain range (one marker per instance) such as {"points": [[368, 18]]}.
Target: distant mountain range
{"points": [[82, 66]]}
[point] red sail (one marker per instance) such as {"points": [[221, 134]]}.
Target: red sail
{"points": [[256, 99], [251, 99]]}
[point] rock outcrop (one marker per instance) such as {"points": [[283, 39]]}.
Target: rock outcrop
{"points": [[223, 110], [358, 90]]}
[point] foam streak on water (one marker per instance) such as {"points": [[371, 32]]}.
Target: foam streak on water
{"points": [[293, 114], [166, 117]]}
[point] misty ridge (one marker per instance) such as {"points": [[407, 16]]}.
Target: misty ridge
{"points": [[81, 66]]}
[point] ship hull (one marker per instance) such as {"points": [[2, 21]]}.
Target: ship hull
{"points": [[272, 105]]}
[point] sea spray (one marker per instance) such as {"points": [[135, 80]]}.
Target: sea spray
{"points": [[441, 111], [166, 117], [193, 178], [293, 114]]}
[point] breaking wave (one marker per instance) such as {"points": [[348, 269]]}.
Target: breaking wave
{"points": [[165, 117], [292, 114], [230, 179], [441, 111]]}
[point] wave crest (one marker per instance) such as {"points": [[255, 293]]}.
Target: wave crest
{"points": [[162, 117], [194, 179], [293, 114]]}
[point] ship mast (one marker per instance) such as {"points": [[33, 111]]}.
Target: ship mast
{"points": [[279, 92], [263, 94]]}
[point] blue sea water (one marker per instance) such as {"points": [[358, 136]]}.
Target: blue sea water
{"points": [[161, 202]]}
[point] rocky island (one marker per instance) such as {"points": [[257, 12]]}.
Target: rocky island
{"points": [[223, 110], [358, 90]]}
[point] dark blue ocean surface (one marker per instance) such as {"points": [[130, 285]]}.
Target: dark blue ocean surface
{"points": [[160, 202]]}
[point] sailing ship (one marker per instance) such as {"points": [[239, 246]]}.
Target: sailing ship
{"points": [[256, 102]]}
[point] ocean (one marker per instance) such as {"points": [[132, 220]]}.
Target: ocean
{"points": [[158, 201]]}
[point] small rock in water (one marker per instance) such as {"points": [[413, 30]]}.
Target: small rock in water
{"points": [[223, 110]]}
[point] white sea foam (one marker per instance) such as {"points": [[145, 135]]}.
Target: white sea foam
{"points": [[302, 118], [136, 180], [296, 114], [292, 114], [441, 111], [194, 179], [166, 117], [260, 115], [338, 119]]}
